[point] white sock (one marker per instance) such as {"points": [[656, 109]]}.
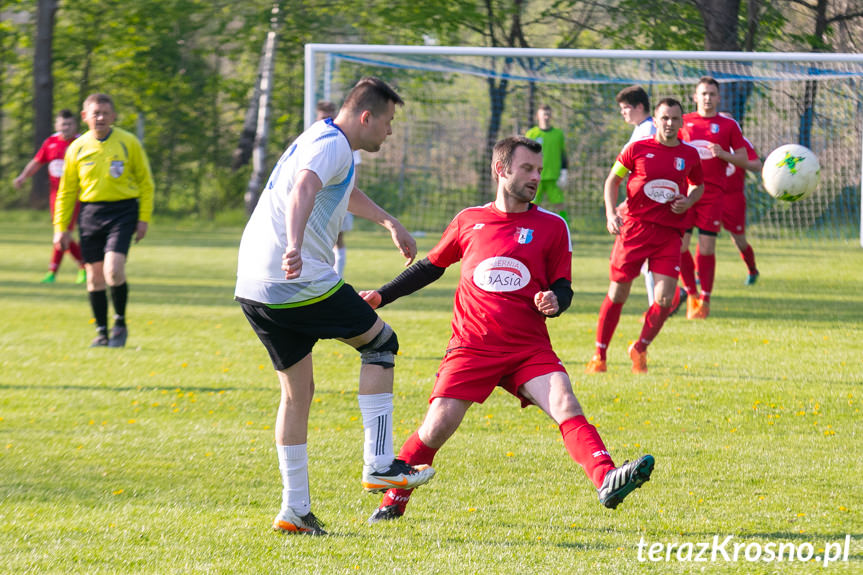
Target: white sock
{"points": [[650, 285], [341, 260], [377, 412], [294, 465]]}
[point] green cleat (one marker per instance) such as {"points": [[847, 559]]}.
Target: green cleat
{"points": [[49, 278], [81, 277], [751, 279]]}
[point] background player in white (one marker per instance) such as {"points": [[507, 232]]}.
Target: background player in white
{"points": [[515, 270], [292, 296], [634, 105]]}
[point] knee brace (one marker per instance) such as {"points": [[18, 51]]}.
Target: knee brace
{"points": [[382, 349]]}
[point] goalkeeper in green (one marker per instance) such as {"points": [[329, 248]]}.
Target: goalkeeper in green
{"points": [[554, 164]]}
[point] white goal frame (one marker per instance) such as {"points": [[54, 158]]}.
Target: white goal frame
{"points": [[313, 50]]}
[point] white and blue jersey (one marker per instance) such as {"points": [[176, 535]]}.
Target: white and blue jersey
{"points": [[643, 130], [324, 150]]}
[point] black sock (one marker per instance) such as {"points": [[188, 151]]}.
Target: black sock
{"points": [[119, 295], [99, 303]]}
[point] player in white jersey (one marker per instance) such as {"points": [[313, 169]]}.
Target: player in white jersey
{"points": [[326, 109], [292, 296]]}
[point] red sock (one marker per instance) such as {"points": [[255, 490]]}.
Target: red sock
{"points": [[586, 448], [706, 271], [56, 258], [609, 316], [687, 273], [413, 452], [653, 320], [749, 258], [75, 250]]}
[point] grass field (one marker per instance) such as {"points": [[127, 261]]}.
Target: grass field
{"points": [[158, 458]]}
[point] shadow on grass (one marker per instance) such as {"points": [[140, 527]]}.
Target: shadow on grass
{"points": [[140, 292], [138, 389]]}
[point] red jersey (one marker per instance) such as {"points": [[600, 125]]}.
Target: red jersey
{"points": [[505, 259], [659, 174], [52, 152], [737, 176], [699, 132]]}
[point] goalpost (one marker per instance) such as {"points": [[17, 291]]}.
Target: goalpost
{"points": [[460, 100]]}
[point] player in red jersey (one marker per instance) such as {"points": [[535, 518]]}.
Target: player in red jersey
{"points": [[52, 153], [714, 136], [516, 263], [734, 208], [665, 181]]}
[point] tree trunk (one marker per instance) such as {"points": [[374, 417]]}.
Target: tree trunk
{"points": [[43, 93], [807, 115], [259, 152], [720, 24], [497, 93], [84, 82], [753, 15], [720, 34]]}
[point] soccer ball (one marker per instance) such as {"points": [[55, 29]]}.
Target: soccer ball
{"points": [[791, 172]]}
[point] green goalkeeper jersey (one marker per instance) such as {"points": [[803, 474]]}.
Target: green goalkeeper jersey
{"points": [[553, 153]]}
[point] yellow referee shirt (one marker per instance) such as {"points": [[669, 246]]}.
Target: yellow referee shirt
{"points": [[105, 171]]}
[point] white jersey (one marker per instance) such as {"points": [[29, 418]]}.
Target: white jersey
{"points": [[643, 130], [324, 150]]}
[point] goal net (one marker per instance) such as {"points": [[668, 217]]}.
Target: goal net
{"points": [[460, 100]]}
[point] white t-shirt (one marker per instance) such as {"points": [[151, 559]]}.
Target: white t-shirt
{"points": [[324, 150], [643, 130]]}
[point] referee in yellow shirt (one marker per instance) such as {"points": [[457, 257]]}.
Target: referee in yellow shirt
{"points": [[109, 167]]}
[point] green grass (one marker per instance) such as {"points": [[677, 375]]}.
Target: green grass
{"points": [[158, 458]]}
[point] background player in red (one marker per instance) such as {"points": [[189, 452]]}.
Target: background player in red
{"points": [[714, 136], [52, 152], [734, 208], [516, 263], [665, 181]]}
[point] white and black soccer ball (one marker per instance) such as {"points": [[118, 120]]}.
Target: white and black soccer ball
{"points": [[791, 172]]}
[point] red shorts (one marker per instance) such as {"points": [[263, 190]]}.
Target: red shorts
{"points": [[639, 241], [472, 374], [734, 212], [706, 214]]}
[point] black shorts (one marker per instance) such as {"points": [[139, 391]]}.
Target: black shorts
{"points": [[289, 334], [106, 227]]}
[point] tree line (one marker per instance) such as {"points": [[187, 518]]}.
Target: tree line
{"points": [[183, 72]]}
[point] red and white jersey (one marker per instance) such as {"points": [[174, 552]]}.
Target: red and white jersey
{"points": [[737, 176], [506, 258], [700, 131], [659, 174], [52, 152]]}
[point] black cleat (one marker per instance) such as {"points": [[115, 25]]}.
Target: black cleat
{"points": [[678, 301], [100, 340], [623, 480], [290, 522], [119, 333], [386, 513]]}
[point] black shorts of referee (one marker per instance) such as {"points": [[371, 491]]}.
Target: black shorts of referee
{"points": [[107, 227]]}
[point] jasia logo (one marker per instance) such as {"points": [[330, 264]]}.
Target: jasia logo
{"points": [[703, 148], [501, 274]]}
